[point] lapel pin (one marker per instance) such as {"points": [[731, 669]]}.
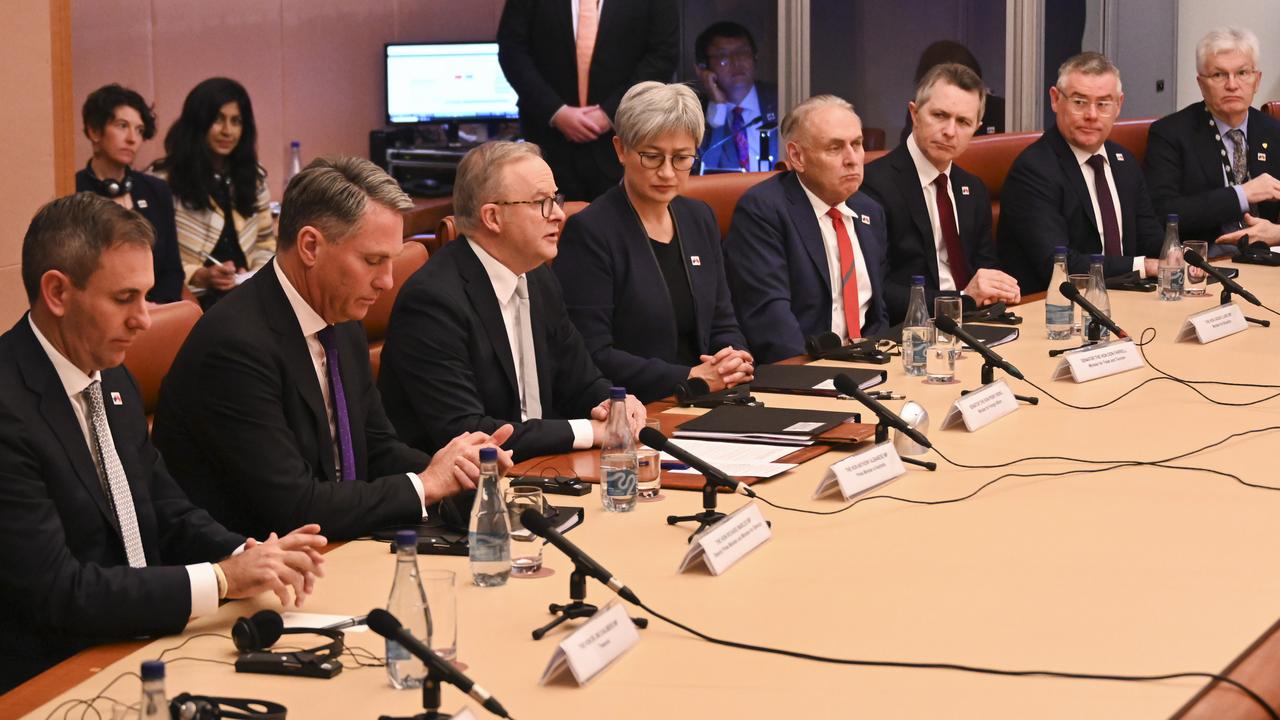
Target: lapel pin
{"points": [[695, 260], [1262, 157], [964, 189], [116, 399], [1119, 157], [866, 220], [142, 204], [1264, 144]]}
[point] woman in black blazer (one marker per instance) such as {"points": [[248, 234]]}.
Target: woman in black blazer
{"points": [[641, 268]]}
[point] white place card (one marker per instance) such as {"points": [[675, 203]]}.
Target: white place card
{"points": [[981, 407], [1099, 361], [464, 714], [591, 648], [1213, 324], [862, 472], [728, 541]]}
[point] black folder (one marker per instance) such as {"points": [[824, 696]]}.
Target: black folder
{"points": [[749, 420], [803, 379]]}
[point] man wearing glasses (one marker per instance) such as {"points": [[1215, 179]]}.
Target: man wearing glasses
{"points": [[738, 107], [479, 337], [1076, 189], [1215, 163]]}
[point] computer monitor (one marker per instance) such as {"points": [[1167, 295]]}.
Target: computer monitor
{"points": [[447, 82]]}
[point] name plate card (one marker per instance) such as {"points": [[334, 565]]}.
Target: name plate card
{"points": [[591, 648], [862, 472], [464, 714], [981, 407], [729, 540], [1099, 361], [1213, 324]]}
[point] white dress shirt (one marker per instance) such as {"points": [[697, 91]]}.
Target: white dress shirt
{"points": [[1082, 157], [310, 322], [720, 114], [829, 243], [203, 581], [504, 289], [928, 174]]}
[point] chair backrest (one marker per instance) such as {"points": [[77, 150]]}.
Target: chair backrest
{"points": [[1132, 134], [153, 351], [721, 191], [1272, 108], [405, 264], [446, 232]]}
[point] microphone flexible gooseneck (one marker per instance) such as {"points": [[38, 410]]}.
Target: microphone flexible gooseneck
{"points": [[656, 440], [951, 327], [849, 387], [537, 524], [1073, 294]]}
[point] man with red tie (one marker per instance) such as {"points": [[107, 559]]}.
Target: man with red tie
{"points": [[806, 252], [939, 215], [1076, 189], [570, 61]]}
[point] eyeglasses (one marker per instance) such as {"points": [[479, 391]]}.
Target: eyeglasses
{"points": [[741, 56], [1244, 76], [1104, 108], [546, 203], [679, 163]]}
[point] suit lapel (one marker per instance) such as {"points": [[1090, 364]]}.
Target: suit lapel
{"points": [[703, 301], [543, 353], [1075, 177], [909, 186], [806, 225], [966, 215], [1208, 148], [480, 292], [1261, 145], [1123, 177]]}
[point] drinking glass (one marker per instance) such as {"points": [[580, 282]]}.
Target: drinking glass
{"points": [[1081, 283], [1197, 283], [950, 306], [940, 358], [649, 471], [526, 548], [442, 611]]}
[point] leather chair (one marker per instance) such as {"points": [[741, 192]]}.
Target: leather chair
{"points": [[1272, 108], [1133, 135], [153, 351], [721, 191], [447, 230], [407, 263]]}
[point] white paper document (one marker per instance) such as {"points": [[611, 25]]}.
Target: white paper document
{"points": [[735, 459]]}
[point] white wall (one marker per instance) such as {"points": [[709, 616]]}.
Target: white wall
{"points": [[1196, 17]]}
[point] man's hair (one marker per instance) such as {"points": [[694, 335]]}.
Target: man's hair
{"points": [[650, 109], [1225, 39], [724, 29], [952, 74], [480, 178], [797, 120], [1088, 63], [331, 194], [71, 233], [100, 107]]}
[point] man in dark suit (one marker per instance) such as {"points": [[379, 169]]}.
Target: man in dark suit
{"points": [[939, 215], [570, 61], [269, 415], [737, 105], [480, 336], [806, 252], [1215, 163], [97, 542], [1076, 189]]}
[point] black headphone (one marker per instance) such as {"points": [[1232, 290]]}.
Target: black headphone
{"points": [[254, 636], [201, 707], [111, 187]]}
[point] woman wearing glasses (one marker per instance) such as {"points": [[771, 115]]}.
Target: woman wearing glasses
{"points": [[641, 266]]}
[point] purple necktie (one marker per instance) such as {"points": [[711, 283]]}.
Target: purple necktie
{"points": [[1110, 227], [338, 397], [740, 139]]}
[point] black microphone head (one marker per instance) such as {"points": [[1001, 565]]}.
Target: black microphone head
{"points": [[847, 386], [535, 522], [945, 323], [770, 125], [1066, 288], [382, 622], [1193, 257], [653, 438]]}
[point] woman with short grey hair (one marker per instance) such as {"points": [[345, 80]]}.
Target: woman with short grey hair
{"points": [[641, 267]]}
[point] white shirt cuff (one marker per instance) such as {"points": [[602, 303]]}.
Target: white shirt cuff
{"points": [[1140, 266], [552, 121], [204, 589], [717, 113], [583, 436], [422, 494], [1244, 201]]}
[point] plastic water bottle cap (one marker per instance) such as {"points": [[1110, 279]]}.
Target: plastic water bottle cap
{"points": [[295, 144], [917, 279], [1097, 258], [488, 454], [618, 393], [152, 670], [406, 538], [1060, 250], [1173, 218]]}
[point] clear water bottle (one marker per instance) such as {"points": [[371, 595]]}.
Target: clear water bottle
{"points": [[295, 160], [1096, 293], [915, 329], [618, 466], [1173, 269], [154, 704], [1057, 308], [490, 529], [408, 602]]}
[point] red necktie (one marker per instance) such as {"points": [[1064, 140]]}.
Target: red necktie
{"points": [[950, 236], [1110, 227], [848, 276], [740, 139]]}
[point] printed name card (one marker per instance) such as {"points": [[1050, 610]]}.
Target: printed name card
{"points": [[981, 407], [591, 648], [464, 714], [729, 540], [1099, 361], [1213, 324], [862, 472]]}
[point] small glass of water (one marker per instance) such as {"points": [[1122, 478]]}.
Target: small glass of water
{"points": [[526, 548], [1197, 282], [442, 611], [649, 466], [940, 358], [950, 306], [1081, 283]]}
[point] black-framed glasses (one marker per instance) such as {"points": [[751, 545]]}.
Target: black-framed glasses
{"points": [[741, 56], [653, 161], [545, 203]]}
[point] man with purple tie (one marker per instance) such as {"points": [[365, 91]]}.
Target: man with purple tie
{"points": [[269, 413]]}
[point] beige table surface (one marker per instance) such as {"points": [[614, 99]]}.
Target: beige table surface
{"points": [[1140, 570]]}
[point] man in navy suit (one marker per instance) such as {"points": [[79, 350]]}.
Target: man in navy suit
{"points": [[1074, 188], [97, 542], [737, 105], [806, 252], [939, 215], [1216, 163]]}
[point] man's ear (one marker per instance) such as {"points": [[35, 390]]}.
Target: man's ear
{"points": [[308, 246], [489, 218], [55, 291]]}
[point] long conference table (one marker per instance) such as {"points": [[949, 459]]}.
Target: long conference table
{"points": [[1138, 570]]}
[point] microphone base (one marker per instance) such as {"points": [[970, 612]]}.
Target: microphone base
{"points": [[430, 701], [705, 519], [989, 376], [576, 608], [927, 465]]}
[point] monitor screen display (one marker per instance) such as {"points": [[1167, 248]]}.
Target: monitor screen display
{"points": [[429, 82]]}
